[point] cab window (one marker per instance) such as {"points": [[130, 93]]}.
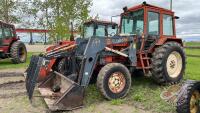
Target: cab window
{"points": [[153, 23], [112, 31], [88, 31], [133, 23], [1, 33], [7, 32], [100, 31], [167, 25]]}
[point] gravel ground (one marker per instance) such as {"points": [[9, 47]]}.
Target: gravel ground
{"points": [[36, 48], [13, 98]]}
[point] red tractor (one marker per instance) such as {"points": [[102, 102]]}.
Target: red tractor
{"points": [[146, 41], [10, 46]]}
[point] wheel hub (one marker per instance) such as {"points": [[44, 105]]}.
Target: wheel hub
{"points": [[116, 82], [194, 102], [174, 64]]}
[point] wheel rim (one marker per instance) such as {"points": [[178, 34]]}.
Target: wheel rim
{"points": [[22, 53], [194, 102], [174, 64], [116, 82]]}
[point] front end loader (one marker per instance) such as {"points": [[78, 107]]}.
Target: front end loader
{"points": [[146, 42]]}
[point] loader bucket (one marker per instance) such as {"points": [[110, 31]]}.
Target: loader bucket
{"points": [[69, 96], [59, 92]]}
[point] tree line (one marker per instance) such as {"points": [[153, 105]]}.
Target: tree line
{"points": [[54, 15]]}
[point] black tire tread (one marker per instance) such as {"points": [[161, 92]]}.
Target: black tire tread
{"points": [[13, 51], [157, 59], [183, 102], [102, 74]]}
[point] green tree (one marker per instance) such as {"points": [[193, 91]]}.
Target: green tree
{"points": [[57, 15], [8, 10]]}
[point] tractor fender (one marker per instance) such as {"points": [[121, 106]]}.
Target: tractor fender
{"points": [[165, 40]]}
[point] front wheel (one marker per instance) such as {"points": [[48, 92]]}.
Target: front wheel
{"points": [[114, 81], [168, 63]]}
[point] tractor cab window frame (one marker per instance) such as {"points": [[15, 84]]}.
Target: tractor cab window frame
{"points": [[88, 31], [8, 33], [100, 31], [133, 22], [153, 23], [168, 28], [111, 31]]}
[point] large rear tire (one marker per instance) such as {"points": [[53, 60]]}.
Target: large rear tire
{"points": [[18, 52], [114, 81], [189, 98], [168, 63]]}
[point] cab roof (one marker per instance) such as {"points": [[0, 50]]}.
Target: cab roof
{"points": [[144, 4], [100, 22]]}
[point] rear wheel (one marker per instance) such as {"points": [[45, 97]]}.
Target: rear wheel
{"points": [[114, 81], [18, 52], [189, 98], [168, 63]]}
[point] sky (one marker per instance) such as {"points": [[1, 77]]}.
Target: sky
{"points": [[188, 10]]}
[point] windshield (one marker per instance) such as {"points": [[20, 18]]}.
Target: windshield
{"points": [[100, 31], [112, 31], [88, 31], [133, 23]]}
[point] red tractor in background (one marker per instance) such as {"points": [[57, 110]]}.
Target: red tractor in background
{"points": [[146, 41], [10, 46]]}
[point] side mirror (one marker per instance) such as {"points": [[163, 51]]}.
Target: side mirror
{"points": [[176, 17], [125, 9]]}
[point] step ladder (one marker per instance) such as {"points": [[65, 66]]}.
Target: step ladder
{"points": [[145, 62]]}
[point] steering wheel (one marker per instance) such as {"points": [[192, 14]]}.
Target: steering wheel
{"points": [[139, 30], [111, 34]]}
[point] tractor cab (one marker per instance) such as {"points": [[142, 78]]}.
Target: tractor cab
{"points": [[7, 35], [96, 28], [149, 23], [10, 47]]}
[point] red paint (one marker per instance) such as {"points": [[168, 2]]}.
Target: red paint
{"points": [[44, 71], [142, 62], [7, 42]]}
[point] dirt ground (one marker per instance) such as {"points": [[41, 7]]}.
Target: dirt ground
{"points": [[36, 48], [13, 98]]}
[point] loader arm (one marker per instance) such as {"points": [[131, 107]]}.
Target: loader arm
{"points": [[96, 45]]}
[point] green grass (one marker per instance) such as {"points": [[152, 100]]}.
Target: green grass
{"points": [[7, 64], [144, 92]]}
